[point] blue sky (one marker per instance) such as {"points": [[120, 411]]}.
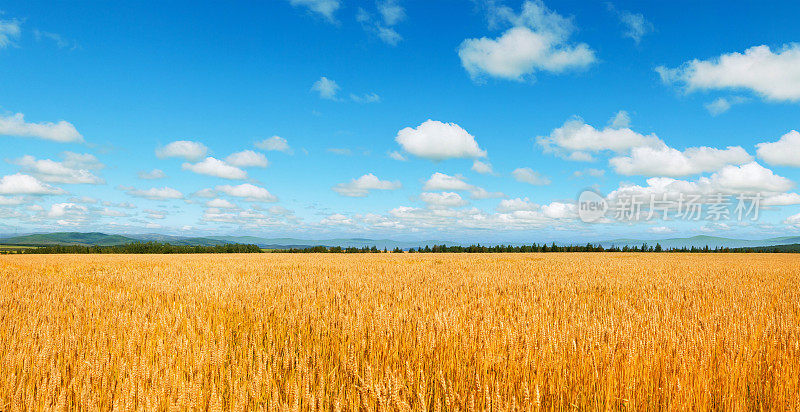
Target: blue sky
{"points": [[369, 118]]}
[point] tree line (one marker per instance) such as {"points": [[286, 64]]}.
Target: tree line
{"points": [[545, 248], [166, 248]]}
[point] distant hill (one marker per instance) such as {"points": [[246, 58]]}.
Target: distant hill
{"points": [[68, 238], [102, 239], [181, 240], [703, 241]]}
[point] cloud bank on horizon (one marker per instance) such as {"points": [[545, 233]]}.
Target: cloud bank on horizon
{"points": [[330, 118]]}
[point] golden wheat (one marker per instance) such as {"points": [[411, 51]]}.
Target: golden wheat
{"points": [[400, 332]]}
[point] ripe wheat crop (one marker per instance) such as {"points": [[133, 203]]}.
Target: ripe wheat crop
{"points": [[400, 332]]}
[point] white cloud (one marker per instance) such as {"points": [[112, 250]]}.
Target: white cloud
{"points": [[482, 167], [783, 199], [326, 88], [325, 8], [442, 182], [442, 200], [248, 192], [390, 13], [22, 184], [360, 187], [589, 172], [773, 76], [518, 204], [636, 26], [336, 219], [559, 210], [538, 41], [206, 193], [723, 104], [793, 220], [397, 156], [751, 177], [215, 167], [247, 158], [62, 131], [75, 169], [666, 161], [528, 175], [577, 140], [220, 204], [437, 141], [9, 31], [186, 149], [274, 143], [152, 175], [112, 213], [748, 179], [784, 152], [11, 201], [660, 230], [66, 209], [365, 98], [621, 120], [164, 193]]}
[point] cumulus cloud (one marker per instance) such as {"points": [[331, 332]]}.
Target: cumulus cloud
{"points": [[152, 175], [775, 76], [482, 167], [324, 8], [248, 192], [443, 182], [326, 88], [217, 168], [783, 199], [22, 184], [576, 140], [163, 193], [62, 131], [784, 152], [748, 179], [247, 158], [185, 149], [518, 204], [537, 41], [75, 169], [61, 210], [442, 200], [360, 187], [274, 143], [220, 204], [666, 161], [528, 175], [438, 141]]}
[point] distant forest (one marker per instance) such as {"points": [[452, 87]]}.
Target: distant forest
{"points": [[166, 248], [544, 248]]}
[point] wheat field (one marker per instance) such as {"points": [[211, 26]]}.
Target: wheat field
{"points": [[440, 332]]}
